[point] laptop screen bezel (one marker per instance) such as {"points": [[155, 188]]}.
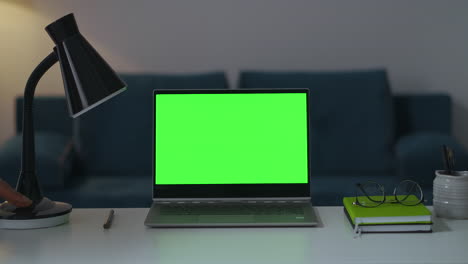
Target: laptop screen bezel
{"points": [[168, 191]]}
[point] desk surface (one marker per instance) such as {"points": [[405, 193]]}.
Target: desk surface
{"points": [[84, 240]]}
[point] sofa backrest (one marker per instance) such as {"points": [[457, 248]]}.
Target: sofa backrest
{"points": [[50, 115], [117, 138], [352, 128]]}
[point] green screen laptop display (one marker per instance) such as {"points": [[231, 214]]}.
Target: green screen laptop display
{"points": [[231, 138]]}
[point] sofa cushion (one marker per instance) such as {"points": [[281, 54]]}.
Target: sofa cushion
{"points": [[101, 191], [351, 116], [116, 138], [329, 189], [419, 155], [59, 122], [422, 113], [50, 148], [111, 191]]}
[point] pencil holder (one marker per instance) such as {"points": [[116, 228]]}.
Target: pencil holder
{"points": [[451, 194]]}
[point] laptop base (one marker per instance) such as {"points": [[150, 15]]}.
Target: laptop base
{"points": [[231, 215]]}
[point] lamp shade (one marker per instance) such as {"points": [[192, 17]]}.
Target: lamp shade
{"points": [[88, 79]]}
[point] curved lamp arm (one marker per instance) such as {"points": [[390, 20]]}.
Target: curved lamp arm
{"points": [[88, 81], [28, 184]]}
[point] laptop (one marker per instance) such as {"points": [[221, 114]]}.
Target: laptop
{"points": [[231, 158]]}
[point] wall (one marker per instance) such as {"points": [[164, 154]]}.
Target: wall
{"points": [[22, 47], [423, 44]]}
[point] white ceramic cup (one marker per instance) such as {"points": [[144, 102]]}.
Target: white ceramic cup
{"points": [[451, 194]]}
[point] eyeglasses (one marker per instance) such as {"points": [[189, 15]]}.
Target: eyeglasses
{"points": [[372, 194]]}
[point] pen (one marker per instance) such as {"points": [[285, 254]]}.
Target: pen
{"points": [[449, 159], [108, 222]]}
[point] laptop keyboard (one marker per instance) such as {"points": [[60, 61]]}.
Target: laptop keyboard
{"points": [[231, 209]]}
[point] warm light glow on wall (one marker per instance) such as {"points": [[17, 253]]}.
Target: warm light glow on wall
{"points": [[24, 44]]}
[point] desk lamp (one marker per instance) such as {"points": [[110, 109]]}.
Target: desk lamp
{"points": [[88, 81]]}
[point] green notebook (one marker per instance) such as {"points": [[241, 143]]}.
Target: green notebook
{"points": [[387, 213], [392, 228]]}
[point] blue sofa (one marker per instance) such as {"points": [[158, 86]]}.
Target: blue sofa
{"points": [[359, 132]]}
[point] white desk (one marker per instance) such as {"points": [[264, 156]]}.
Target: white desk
{"points": [[84, 240]]}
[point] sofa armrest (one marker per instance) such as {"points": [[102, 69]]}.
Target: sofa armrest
{"points": [[420, 154], [52, 161], [420, 113]]}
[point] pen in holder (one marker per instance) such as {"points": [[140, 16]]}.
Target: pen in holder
{"points": [[451, 194]]}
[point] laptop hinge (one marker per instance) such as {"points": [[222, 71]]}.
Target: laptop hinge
{"points": [[233, 200]]}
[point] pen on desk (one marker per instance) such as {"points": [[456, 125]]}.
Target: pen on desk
{"points": [[108, 222]]}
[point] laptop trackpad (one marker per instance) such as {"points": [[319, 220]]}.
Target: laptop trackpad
{"points": [[226, 219]]}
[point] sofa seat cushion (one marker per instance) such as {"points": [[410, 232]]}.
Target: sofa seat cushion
{"points": [[99, 191], [116, 139], [329, 190], [351, 117]]}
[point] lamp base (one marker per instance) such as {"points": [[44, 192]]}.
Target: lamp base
{"points": [[46, 213]]}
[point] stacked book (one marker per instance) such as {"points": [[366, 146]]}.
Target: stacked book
{"points": [[387, 217]]}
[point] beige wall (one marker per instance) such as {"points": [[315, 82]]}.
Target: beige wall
{"points": [[22, 47], [422, 43]]}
